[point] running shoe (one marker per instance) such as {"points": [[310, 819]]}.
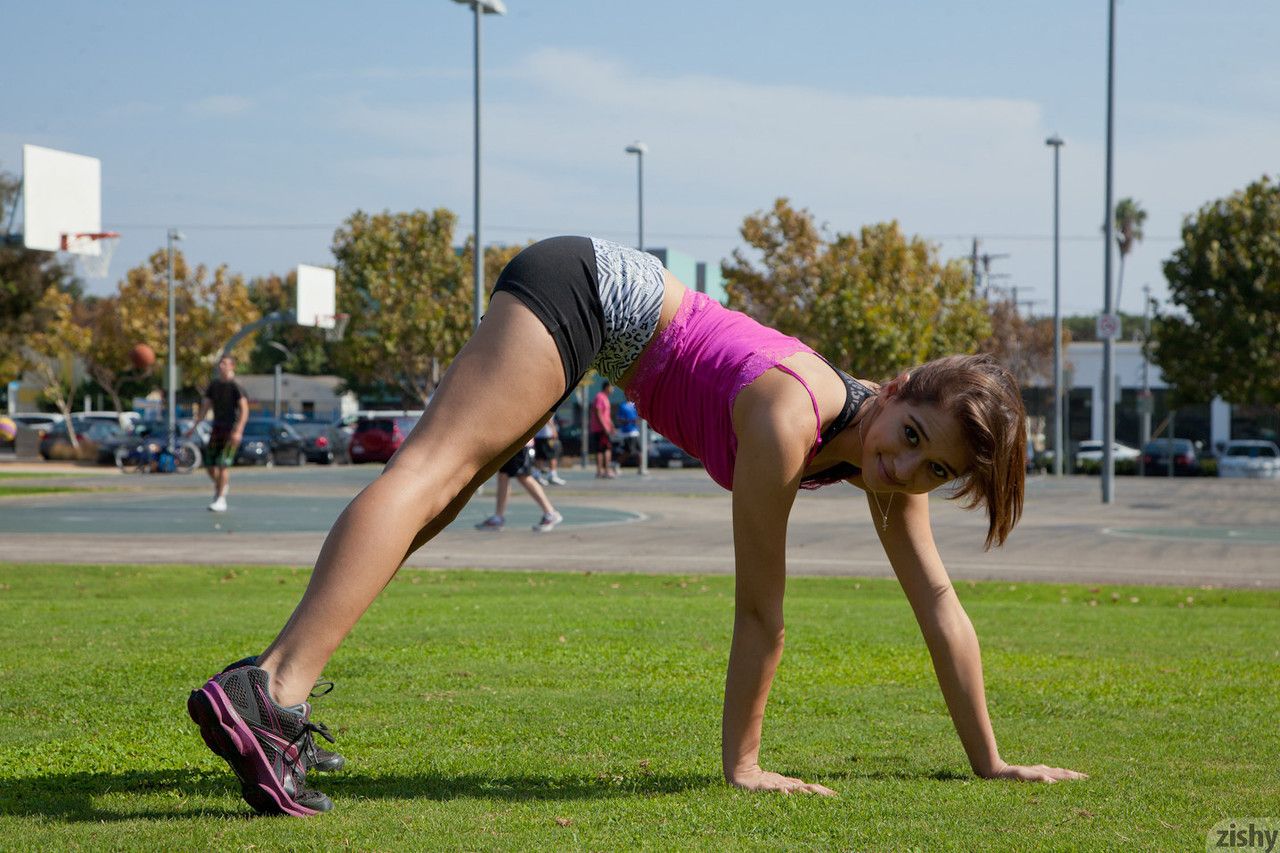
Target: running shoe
{"points": [[549, 521], [316, 758], [219, 505], [264, 743], [556, 480], [493, 522]]}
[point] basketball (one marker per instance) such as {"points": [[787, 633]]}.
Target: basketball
{"points": [[8, 430], [142, 356]]}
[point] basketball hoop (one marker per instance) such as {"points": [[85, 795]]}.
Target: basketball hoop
{"points": [[335, 333], [92, 251]]}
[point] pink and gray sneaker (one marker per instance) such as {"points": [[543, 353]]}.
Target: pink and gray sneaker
{"points": [[266, 744]]}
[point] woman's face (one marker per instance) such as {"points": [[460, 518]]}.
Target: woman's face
{"points": [[912, 447]]}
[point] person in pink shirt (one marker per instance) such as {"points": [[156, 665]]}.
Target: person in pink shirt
{"points": [[767, 416], [602, 430]]}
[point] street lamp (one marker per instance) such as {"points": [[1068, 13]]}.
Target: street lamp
{"points": [[288, 354], [171, 372], [1108, 349], [1056, 142], [480, 8], [640, 149]]}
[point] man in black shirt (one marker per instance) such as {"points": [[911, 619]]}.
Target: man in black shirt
{"points": [[230, 410]]}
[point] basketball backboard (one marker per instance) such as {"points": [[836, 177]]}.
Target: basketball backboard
{"points": [[61, 196], [315, 303]]}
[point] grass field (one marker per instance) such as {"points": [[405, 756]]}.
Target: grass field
{"points": [[515, 711]]}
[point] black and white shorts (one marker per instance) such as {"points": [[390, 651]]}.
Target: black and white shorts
{"points": [[600, 301]]}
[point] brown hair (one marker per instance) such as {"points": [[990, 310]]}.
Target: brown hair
{"points": [[984, 397]]}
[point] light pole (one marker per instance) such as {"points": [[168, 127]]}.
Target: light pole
{"points": [[171, 371], [1056, 142], [639, 149], [480, 8], [1144, 403], [1108, 343], [288, 354]]}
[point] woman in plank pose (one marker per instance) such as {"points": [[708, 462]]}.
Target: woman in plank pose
{"points": [[766, 415]]}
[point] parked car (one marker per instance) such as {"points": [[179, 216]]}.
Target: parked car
{"points": [[150, 430], [1091, 451], [664, 454], [1156, 453], [267, 441], [92, 434], [1245, 458], [325, 443], [41, 422], [375, 439], [125, 420]]}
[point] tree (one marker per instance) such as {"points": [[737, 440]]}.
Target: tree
{"points": [[310, 354], [1129, 219], [50, 352], [1224, 282], [209, 307], [106, 356], [26, 277], [1024, 346], [409, 296], [875, 303]]}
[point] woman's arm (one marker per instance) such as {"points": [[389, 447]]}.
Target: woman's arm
{"points": [[950, 637], [766, 477]]}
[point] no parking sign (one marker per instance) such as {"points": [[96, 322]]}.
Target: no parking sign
{"points": [[1108, 326]]}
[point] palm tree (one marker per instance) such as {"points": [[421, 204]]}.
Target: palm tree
{"points": [[1129, 219]]}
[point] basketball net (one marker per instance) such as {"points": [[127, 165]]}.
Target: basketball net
{"points": [[94, 264], [339, 328]]}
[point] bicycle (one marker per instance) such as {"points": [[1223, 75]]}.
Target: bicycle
{"points": [[153, 457]]}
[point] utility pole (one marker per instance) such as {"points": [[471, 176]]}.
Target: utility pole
{"points": [[1059, 453]]}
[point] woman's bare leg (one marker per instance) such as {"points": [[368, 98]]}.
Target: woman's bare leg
{"points": [[494, 397]]}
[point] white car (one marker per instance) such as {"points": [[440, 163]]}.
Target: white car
{"points": [[1091, 451], [1254, 459]]}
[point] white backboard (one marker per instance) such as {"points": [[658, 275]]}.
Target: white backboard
{"points": [[61, 194], [314, 302]]}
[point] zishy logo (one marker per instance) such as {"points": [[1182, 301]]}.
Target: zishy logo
{"points": [[1244, 834]]}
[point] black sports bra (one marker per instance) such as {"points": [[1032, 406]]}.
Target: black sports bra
{"points": [[855, 394]]}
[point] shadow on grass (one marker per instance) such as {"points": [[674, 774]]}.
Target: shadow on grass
{"points": [[72, 796]]}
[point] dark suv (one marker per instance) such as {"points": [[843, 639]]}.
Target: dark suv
{"points": [[375, 439], [1156, 453]]}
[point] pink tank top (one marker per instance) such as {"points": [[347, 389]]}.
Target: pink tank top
{"points": [[686, 382]]}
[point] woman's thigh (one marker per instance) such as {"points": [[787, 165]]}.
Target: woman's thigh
{"points": [[499, 389]]}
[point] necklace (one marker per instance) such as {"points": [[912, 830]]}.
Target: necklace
{"points": [[884, 511]]}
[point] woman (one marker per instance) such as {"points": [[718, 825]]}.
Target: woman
{"points": [[765, 414]]}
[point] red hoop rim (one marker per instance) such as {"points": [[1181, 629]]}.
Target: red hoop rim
{"points": [[88, 235]]}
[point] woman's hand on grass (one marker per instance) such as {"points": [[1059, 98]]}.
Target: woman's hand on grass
{"points": [[1034, 773], [756, 779]]}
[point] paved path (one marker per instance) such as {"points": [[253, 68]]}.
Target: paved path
{"points": [[1192, 532]]}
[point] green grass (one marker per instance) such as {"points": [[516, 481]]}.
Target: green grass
{"points": [[482, 710], [8, 491], [19, 475]]}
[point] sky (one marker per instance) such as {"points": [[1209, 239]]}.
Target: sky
{"points": [[257, 128]]}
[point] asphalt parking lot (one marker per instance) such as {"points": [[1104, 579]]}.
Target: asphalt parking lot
{"points": [[1185, 531]]}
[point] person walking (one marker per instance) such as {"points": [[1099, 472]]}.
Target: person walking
{"points": [[520, 467], [767, 415], [230, 411], [546, 454], [602, 430]]}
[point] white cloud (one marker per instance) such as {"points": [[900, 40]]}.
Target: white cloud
{"points": [[219, 106]]}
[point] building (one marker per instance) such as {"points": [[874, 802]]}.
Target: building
{"points": [[1210, 424], [316, 397], [699, 275]]}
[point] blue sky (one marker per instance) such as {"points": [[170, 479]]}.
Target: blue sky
{"points": [[258, 127]]}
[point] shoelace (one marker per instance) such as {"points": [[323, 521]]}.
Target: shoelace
{"points": [[309, 748], [307, 743]]}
